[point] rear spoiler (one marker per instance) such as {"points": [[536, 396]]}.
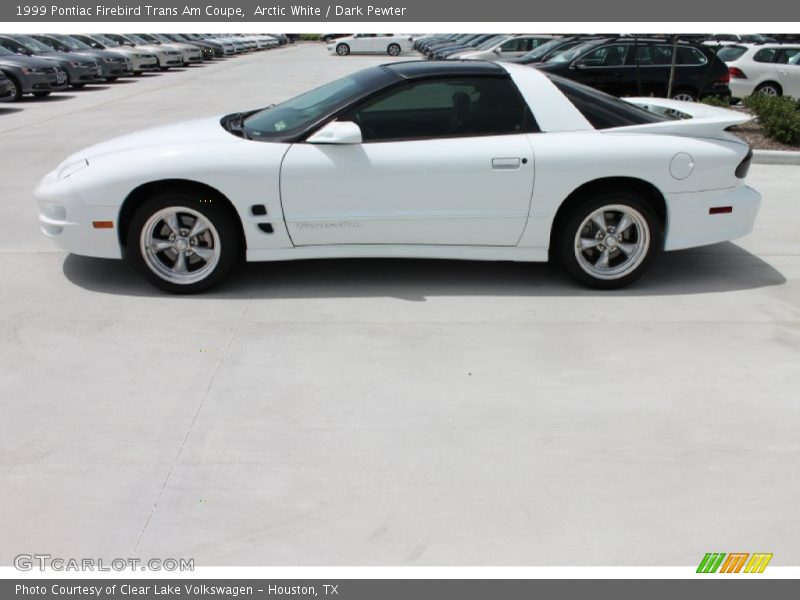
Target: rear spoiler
{"points": [[702, 120]]}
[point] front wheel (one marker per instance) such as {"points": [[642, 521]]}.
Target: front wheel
{"points": [[16, 90], [183, 244], [41, 94], [684, 96], [608, 241], [342, 49], [393, 50]]}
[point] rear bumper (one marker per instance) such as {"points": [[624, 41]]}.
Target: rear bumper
{"points": [[741, 88], [691, 224]]}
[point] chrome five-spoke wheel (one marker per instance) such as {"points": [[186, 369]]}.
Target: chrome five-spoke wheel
{"points": [[607, 240], [612, 241], [180, 245]]}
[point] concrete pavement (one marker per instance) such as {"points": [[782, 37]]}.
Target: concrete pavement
{"points": [[387, 412]]}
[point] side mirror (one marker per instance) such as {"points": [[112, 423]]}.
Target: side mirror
{"points": [[498, 50], [579, 65], [337, 132]]}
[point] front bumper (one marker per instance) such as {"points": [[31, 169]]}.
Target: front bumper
{"points": [[67, 220], [44, 82], [691, 224], [122, 69], [85, 74]]}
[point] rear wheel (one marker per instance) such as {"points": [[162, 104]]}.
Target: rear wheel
{"points": [[77, 86], [393, 50], [342, 49], [41, 94], [608, 241], [183, 243], [684, 96], [111, 79], [769, 88]]}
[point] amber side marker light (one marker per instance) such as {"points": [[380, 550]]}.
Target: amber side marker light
{"points": [[720, 210], [103, 224]]}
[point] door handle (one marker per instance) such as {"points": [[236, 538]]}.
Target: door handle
{"points": [[506, 163]]}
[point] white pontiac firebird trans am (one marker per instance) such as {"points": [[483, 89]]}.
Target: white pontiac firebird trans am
{"points": [[447, 160]]}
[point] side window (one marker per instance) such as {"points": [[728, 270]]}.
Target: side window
{"points": [[457, 107], [662, 55], [644, 55], [789, 56], [765, 55], [690, 56], [606, 56]]}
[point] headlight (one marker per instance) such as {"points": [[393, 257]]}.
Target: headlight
{"points": [[33, 70]]}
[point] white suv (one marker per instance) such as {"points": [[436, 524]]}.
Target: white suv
{"points": [[771, 69]]}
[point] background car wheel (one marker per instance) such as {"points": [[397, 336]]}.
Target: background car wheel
{"points": [[183, 244], [342, 49], [137, 73], [608, 241], [111, 79], [684, 96], [394, 50], [16, 90], [41, 94], [769, 89], [77, 86]]}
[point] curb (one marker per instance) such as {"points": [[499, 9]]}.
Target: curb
{"points": [[776, 157]]}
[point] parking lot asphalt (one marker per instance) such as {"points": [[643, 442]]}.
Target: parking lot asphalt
{"points": [[386, 412]]}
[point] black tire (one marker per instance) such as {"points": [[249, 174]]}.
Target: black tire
{"points": [[394, 50], [769, 88], [163, 68], [569, 227], [77, 86], [216, 211], [137, 73], [342, 49], [111, 79], [16, 89], [41, 94]]}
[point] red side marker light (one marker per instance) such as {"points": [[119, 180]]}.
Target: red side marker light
{"points": [[720, 210], [103, 224]]}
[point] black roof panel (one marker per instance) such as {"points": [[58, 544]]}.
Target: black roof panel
{"points": [[428, 68]]}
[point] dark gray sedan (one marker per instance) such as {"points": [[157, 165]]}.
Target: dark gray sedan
{"points": [[80, 69], [30, 75], [113, 64]]}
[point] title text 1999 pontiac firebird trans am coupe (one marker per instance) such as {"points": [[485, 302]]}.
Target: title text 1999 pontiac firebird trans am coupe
{"points": [[451, 160]]}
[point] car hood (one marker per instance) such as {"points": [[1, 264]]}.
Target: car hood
{"points": [[24, 61], [69, 56], [188, 133]]}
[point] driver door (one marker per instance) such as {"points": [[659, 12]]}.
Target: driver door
{"points": [[442, 161]]}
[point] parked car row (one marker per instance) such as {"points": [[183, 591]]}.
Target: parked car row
{"points": [[622, 65], [41, 64]]}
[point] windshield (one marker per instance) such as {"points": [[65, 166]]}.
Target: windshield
{"points": [[493, 41], [71, 43], [5, 51], [571, 54], [106, 41], [298, 114], [137, 40], [162, 38], [149, 39], [33, 44], [540, 51]]}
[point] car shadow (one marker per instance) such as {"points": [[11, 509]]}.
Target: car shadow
{"points": [[54, 97], [89, 87], [8, 110], [720, 268]]}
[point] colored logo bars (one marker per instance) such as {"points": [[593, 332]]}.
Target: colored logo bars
{"points": [[714, 562]]}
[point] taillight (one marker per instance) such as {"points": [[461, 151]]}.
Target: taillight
{"points": [[724, 78], [736, 73], [744, 166]]}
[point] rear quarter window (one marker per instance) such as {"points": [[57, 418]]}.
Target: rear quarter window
{"points": [[731, 53], [765, 55]]}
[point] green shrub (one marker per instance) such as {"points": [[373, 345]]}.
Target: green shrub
{"points": [[309, 37], [717, 101], [779, 116]]}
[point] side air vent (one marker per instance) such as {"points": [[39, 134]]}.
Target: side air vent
{"points": [[266, 227], [258, 210]]}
